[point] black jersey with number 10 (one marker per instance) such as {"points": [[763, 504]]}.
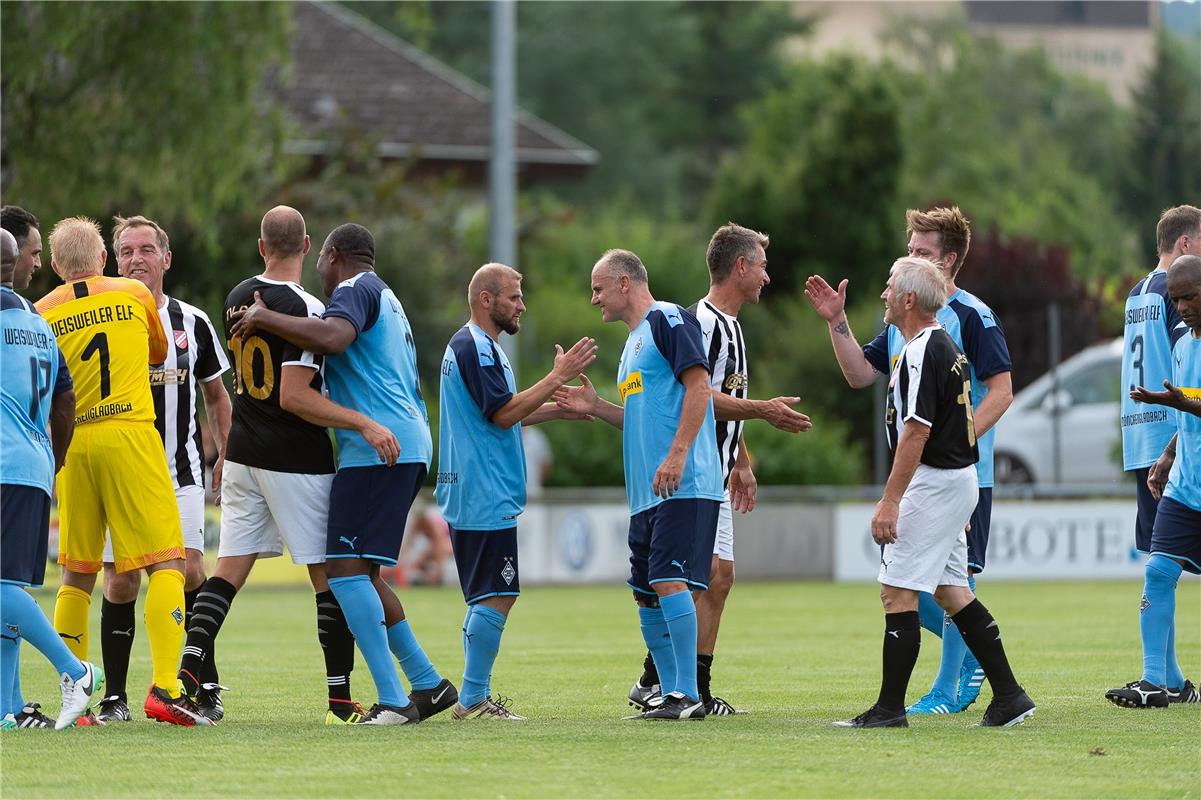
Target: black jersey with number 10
{"points": [[262, 433]]}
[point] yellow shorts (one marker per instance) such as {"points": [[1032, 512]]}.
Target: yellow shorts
{"points": [[116, 478]]}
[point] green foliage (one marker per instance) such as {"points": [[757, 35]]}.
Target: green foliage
{"points": [[139, 107], [818, 457]]}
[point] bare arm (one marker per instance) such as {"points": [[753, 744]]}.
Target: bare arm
{"points": [[219, 411], [551, 411], [775, 412], [1172, 397], [994, 404], [567, 366], [298, 397], [909, 455], [582, 402], [315, 334], [62, 426], [692, 413], [831, 304]]}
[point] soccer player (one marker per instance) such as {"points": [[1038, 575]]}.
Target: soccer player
{"points": [[278, 467], [24, 227], [109, 331], [194, 365], [372, 373], [34, 370], [941, 236], [481, 469], [737, 261], [928, 499], [1175, 543], [1152, 328], [673, 476]]}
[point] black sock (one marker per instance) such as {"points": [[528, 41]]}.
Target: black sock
{"points": [[650, 675], [337, 644], [208, 669], [116, 642], [704, 666], [983, 637], [213, 600], [902, 641]]}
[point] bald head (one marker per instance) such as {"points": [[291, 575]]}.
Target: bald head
{"points": [[490, 278], [8, 256], [1186, 270], [282, 232]]}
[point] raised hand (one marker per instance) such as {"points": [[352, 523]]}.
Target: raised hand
{"points": [[571, 364], [825, 300]]}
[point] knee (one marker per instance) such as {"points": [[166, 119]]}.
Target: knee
{"points": [[194, 571], [722, 579], [896, 600], [646, 600], [121, 587]]}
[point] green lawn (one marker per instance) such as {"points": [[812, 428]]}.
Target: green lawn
{"points": [[798, 654]]}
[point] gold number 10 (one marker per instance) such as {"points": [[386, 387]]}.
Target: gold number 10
{"points": [[244, 352]]}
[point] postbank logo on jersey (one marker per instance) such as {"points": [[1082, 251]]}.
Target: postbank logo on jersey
{"points": [[631, 385], [1191, 392]]}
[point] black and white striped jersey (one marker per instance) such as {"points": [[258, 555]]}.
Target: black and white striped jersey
{"points": [[194, 356], [726, 352], [932, 384]]}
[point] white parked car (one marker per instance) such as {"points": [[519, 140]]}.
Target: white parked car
{"points": [[1087, 403]]}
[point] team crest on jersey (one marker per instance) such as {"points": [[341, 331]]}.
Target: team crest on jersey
{"points": [[509, 572], [638, 347], [181, 340]]}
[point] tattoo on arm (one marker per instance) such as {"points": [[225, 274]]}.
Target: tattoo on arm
{"points": [[843, 329]]}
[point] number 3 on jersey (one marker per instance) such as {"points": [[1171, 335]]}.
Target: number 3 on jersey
{"points": [[258, 380]]}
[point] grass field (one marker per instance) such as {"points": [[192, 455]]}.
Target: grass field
{"points": [[798, 654]]}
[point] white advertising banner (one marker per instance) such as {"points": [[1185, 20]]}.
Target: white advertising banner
{"points": [[1030, 540]]}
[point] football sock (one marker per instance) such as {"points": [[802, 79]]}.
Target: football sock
{"points": [[650, 675], [658, 642], [679, 612], [71, 619], [337, 646], [704, 667], [22, 612], [1174, 674], [1155, 618], [902, 641], [954, 656], [983, 636], [365, 616], [10, 669], [483, 642], [116, 642], [932, 616], [164, 627], [413, 661], [466, 625], [208, 671], [213, 600]]}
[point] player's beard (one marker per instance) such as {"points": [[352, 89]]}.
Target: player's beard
{"points": [[509, 325]]}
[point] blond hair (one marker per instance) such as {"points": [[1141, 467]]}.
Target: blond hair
{"points": [[138, 221], [76, 247], [953, 228]]}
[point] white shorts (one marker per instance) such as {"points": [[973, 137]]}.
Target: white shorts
{"points": [[262, 510], [190, 500], [931, 546], [723, 544]]}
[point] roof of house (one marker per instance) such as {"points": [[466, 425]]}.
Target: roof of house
{"points": [[348, 72]]}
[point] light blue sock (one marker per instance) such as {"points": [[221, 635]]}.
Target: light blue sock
{"points": [[930, 613], [484, 629], [954, 654], [364, 613], [1173, 672], [658, 641], [413, 660], [679, 612], [1158, 612], [21, 610], [10, 667], [466, 624]]}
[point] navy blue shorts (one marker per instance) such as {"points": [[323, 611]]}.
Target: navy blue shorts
{"points": [[24, 532], [977, 537], [673, 542], [487, 563], [1177, 534], [368, 507], [1144, 523]]}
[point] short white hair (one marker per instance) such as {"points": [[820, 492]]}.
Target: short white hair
{"points": [[923, 279]]}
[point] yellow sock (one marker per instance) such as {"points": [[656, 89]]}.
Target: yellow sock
{"points": [[71, 619], [164, 627]]}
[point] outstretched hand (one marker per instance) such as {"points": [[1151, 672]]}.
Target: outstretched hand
{"points": [[577, 401], [825, 300], [780, 415], [1172, 398], [245, 321]]}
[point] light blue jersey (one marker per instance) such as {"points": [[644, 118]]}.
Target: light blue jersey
{"points": [[377, 374], [975, 330], [33, 373], [1184, 481], [1151, 329], [481, 466], [658, 351]]}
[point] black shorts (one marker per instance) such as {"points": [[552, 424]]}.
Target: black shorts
{"points": [[24, 533], [673, 541], [977, 537], [487, 563], [1144, 523], [1178, 534], [368, 507]]}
